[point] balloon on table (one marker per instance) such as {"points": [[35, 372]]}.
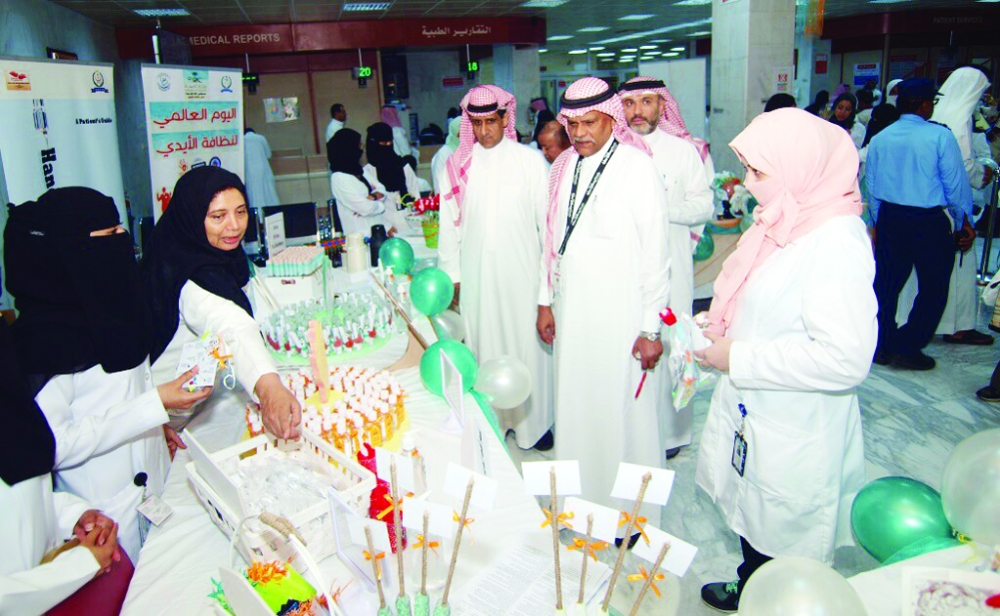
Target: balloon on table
{"points": [[505, 380], [449, 324], [970, 490], [705, 247], [397, 253], [891, 513], [459, 354], [432, 291], [792, 585]]}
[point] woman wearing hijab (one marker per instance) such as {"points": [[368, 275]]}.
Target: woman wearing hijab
{"points": [[793, 327], [360, 201], [387, 168], [194, 274], [82, 338], [843, 113], [818, 106], [400, 140], [439, 162], [892, 92]]}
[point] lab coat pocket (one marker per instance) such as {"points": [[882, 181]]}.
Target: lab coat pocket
{"points": [[786, 462]]}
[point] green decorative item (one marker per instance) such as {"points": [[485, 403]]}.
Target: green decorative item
{"points": [[422, 605], [398, 254], [705, 247], [892, 513], [384, 611], [432, 291], [431, 228], [729, 226], [403, 606], [923, 546], [442, 610], [459, 354]]}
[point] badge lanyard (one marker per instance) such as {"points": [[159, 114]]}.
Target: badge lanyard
{"points": [[739, 460], [573, 216]]}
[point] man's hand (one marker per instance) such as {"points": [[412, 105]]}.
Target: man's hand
{"points": [[280, 411], [174, 441], [546, 324], [93, 521], [454, 299], [647, 352], [717, 355], [966, 236], [175, 396], [105, 552]]}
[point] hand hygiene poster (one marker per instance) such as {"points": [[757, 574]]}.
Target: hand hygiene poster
{"points": [[194, 117], [59, 129]]}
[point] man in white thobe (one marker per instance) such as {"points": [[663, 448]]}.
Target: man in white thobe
{"points": [[689, 206], [338, 118], [261, 190], [604, 281], [494, 195]]}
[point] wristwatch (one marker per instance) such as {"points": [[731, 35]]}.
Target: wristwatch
{"points": [[651, 336]]}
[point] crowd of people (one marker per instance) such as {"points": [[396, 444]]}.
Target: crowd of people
{"points": [[565, 253]]}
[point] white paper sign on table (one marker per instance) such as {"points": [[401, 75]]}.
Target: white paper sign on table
{"points": [[475, 449], [629, 480], [678, 557], [380, 533], [453, 389], [484, 492], [274, 226], [404, 469], [605, 518], [439, 517], [537, 481]]}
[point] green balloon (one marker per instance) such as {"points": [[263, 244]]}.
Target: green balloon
{"points": [[459, 354], [705, 247], [398, 254], [892, 513], [432, 291]]}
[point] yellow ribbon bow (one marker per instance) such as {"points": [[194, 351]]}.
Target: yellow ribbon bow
{"points": [[457, 518], [335, 594], [378, 557], [386, 511], [219, 357], [639, 521], [643, 575], [433, 545], [591, 549], [562, 517]]}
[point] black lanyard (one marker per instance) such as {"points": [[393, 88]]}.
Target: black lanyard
{"points": [[573, 217]]}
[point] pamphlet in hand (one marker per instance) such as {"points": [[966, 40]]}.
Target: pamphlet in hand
{"points": [[204, 353]]}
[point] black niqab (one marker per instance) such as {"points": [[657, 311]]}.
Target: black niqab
{"points": [[387, 163], [343, 152]]}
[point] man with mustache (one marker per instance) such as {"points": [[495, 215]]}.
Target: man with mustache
{"points": [[604, 282], [689, 206]]}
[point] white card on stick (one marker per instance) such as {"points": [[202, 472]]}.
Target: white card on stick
{"points": [[605, 518], [484, 492], [404, 469], [629, 480], [678, 557], [439, 519], [536, 477], [380, 533]]}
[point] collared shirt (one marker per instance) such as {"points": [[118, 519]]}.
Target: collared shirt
{"points": [[917, 163]]}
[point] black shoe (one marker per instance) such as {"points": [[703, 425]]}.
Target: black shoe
{"points": [[631, 542], [914, 361], [672, 452], [722, 596], [970, 336], [546, 442], [988, 394], [882, 359]]}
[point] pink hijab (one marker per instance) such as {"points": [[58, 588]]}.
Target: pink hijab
{"points": [[391, 116], [811, 168], [670, 120]]}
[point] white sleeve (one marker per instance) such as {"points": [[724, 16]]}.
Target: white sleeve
{"points": [[412, 186], [80, 438], [858, 134], [839, 312], [68, 508], [203, 311], [351, 193], [695, 204], [400, 142], [648, 204], [37, 590], [449, 235]]}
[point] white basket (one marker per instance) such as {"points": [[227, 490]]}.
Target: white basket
{"points": [[314, 524]]}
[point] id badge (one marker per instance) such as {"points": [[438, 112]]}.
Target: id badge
{"points": [[739, 460]]}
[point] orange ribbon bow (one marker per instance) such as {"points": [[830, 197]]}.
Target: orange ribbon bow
{"points": [[387, 510], [562, 517], [644, 575], [335, 594], [379, 556], [433, 545], [592, 549], [219, 357], [457, 518], [639, 521], [263, 573]]}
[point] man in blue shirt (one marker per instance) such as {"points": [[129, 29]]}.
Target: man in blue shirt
{"points": [[913, 172]]}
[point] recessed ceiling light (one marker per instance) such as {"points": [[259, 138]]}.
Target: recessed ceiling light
{"points": [[661, 41], [542, 50], [358, 7], [672, 54], [644, 47], [577, 52], [626, 59], [647, 58], [606, 54], [692, 2], [988, 1], [629, 50], [709, 32], [543, 4], [165, 12], [654, 53], [605, 59], [646, 33], [678, 48], [593, 29], [598, 48], [636, 17], [888, 1], [560, 37]]}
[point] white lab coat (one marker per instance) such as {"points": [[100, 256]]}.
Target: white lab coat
{"points": [[200, 312], [357, 212], [108, 428], [494, 254], [395, 214], [33, 522], [261, 191], [614, 282], [439, 164], [401, 143], [803, 336]]}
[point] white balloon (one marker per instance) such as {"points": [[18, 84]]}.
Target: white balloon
{"points": [[451, 324], [796, 586], [505, 380], [970, 489]]}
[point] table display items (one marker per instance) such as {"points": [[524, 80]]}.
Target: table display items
{"points": [[357, 257], [397, 254], [797, 585], [279, 586], [296, 261], [428, 210]]}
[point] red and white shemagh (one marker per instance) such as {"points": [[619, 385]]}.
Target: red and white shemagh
{"points": [[582, 90], [390, 115], [670, 120], [478, 102]]}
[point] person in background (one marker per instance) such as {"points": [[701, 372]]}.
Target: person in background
{"points": [[843, 114], [818, 106], [892, 91], [338, 118], [453, 112], [400, 138], [492, 212], [440, 158], [360, 200], [866, 103], [914, 171], [261, 191], [423, 185], [83, 342], [793, 328], [541, 119], [194, 275], [780, 100], [389, 170], [553, 140], [882, 117], [872, 86]]}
